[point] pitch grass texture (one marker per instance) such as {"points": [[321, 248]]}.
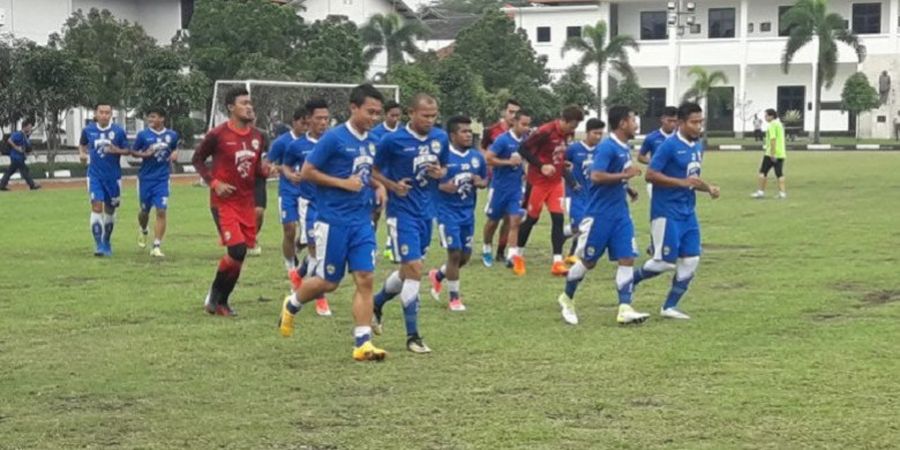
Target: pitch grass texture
{"points": [[793, 343]]}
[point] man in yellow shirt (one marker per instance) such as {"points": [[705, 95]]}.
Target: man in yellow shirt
{"points": [[775, 153]]}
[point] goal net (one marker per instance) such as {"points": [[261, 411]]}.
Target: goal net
{"points": [[275, 101]]}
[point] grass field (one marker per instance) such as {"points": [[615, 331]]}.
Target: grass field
{"points": [[794, 341]]}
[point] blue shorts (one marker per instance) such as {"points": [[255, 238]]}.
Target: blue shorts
{"points": [[106, 190], [343, 247], [308, 217], [410, 237], [503, 203], [576, 206], [600, 234], [153, 194], [456, 235], [672, 239]]}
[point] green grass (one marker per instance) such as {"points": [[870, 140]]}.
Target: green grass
{"points": [[803, 140], [793, 342]]}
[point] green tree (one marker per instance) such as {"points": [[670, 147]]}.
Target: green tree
{"points": [[541, 102], [331, 51], [475, 6], [114, 47], [163, 80], [704, 82], [391, 34], [597, 52], [810, 20], [412, 79], [859, 96], [573, 89], [16, 98], [462, 91], [629, 93]]}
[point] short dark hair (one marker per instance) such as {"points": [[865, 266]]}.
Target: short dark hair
{"points": [[158, 110], [300, 114], [688, 108], [454, 122], [233, 93], [521, 113], [103, 103], [27, 122], [617, 114], [772, 113], [391, 104], [360, 93], [573, 113], [669, 111], [595, 124], [315, 103], [511, 101]]}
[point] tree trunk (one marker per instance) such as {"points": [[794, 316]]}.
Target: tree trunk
{"points": [[52, 137], [600, 91], [817, 110]]}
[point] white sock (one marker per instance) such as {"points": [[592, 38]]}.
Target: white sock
{"points": [[557, 258], [624, 275], [568, 232], [410, 291], [512, 251], [576, 272], [157, 242], [295, 301], [362, 330], [144, 231], [393, 284], [487, 248], [288, 264], [96, 218], [453, 286], [443, 269]]}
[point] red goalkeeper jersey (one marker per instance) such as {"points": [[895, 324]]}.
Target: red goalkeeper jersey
{"points": [[236, 160]]}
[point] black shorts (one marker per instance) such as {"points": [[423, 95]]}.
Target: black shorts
{"points": [[259, 193], [768, 164]]}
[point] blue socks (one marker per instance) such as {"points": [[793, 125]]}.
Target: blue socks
{"points": [[571, 286], [97, 228], [641, 274], [410, 316], [679, 287]]}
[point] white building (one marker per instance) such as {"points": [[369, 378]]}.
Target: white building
{"points": [[742, 39]]}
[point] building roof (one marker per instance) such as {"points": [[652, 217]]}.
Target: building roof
{"points": [[446, 28]]}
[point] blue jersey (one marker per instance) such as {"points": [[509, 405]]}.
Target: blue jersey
{"points": [[507, 178], [19, 138], [609, 200], [381, 130], [342, 152], [97, 140], [406, 155], [676, 158], [162, 143], [582, 158], [276, 155], [295, 156], [653, 141], [462, 166]]}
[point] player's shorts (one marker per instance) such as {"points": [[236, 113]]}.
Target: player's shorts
{"points": [[106, 190], [552, 195], [600, 235], [649, 191], [455, 235], [308, 217], [343, 247], [153, 194], [289, 208], [410, 237], [768, 164], [672, 239], [235, 226], [260, 194], [576, 208], [503, 203]]}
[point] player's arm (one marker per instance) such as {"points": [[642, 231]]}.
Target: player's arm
{"points": [[82, 147], [600, 174], [311, 173], [140, 150], [204, 151], [120, 146], [13, 144], [287, 167], [494, 160], [383, 159], [773, 141], [531, 147], [644, 153], [173, 157], [439, 170]]}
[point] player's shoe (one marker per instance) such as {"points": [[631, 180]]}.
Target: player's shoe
{"points": [[758, 194], [296, 279], [368, 352], [255, 251], [286, 321], [559, 269], [416, 345], [672, 313], [98, 252], [105, 249], [627, 315], [782, 195], [487, 259], [377, 324], [322, 308], [456, 305], [436, 286], [225, 311], [157, 252], [567, 306], [518, 265], [142, 239], [571, 260], [208, 306]]}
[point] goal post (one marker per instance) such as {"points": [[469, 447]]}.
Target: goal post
{"points": [[275, 101]]}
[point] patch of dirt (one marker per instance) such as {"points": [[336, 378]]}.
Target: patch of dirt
{"points": [[726, 247], [87, 402], [646, 402], [822, 317], [881, 297]]}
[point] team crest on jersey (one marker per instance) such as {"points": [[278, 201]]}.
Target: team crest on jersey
{"points": [[590, 251], [255, 144], [435, 147], [243, 159], [371, 149], [404, 249], [168, 139], [476, 163], [666, 250], [330, 269]]}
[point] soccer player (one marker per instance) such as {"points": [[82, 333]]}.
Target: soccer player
{"points": [[580, 155], [101, 146], [392, 114], [505, 195], [545, 151], [607, 226], [237, 162], [675, 231], [466, 172], [288, 189], [157, 146], [303, 207], [510, 108], [19, 146], [775, 154], [409, 163], [340, 166], [668, 123]]}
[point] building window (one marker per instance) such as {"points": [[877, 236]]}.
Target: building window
{"points": [[765, 27], [721, 23], [791, 98], [543, 34], [573, 32], [867, 18], [783, 29], [653, 25]]}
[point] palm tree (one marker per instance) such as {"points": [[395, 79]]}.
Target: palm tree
{"points": [[597, 52], [390, 33], [808, 20], [704, 82]]}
